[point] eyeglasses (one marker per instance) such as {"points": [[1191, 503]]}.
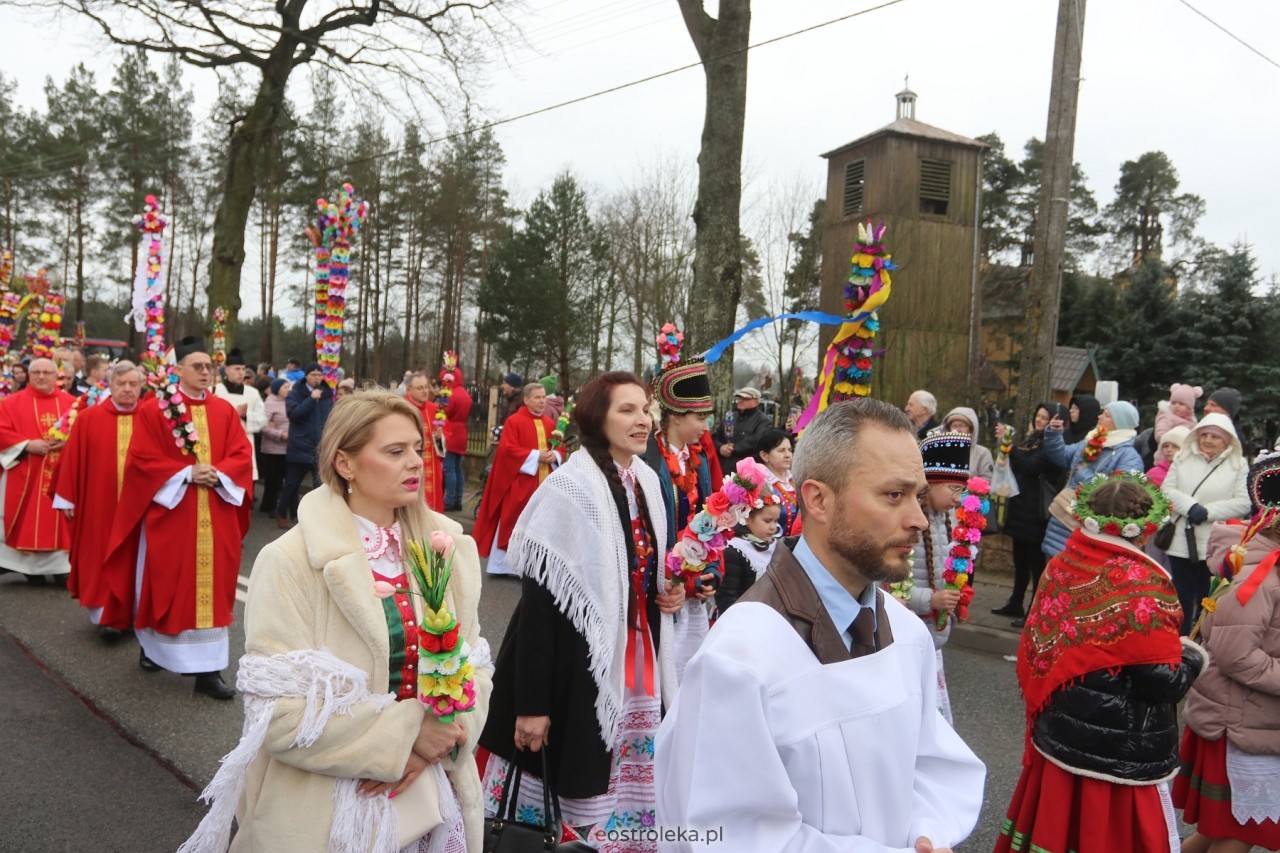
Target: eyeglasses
{"points": [[202, 366]]}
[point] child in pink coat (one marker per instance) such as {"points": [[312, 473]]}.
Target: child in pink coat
{"points": [[1180, 410], [1170, 444]]}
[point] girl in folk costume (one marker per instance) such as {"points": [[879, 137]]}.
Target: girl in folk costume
{"points": [[338, 751], [1229, 782], [775, 453], [748, 553], [946, 468], [587, 664], [1102, 668], [675, 452]]}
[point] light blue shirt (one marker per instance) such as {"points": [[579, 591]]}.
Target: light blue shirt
{"points": [[842, 607]]}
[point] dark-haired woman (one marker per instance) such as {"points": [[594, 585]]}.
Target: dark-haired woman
{"points": [[1025, 516], [775, 454], [586, 666], [1102, 668]]}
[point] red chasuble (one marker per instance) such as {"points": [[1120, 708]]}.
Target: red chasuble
{"points": [[90, 476], [193, 550], [507, 490], [30, 521], [432, 469]]}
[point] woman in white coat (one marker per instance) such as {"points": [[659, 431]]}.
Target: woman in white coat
{"points": [[338, 753], [1205, 483]]}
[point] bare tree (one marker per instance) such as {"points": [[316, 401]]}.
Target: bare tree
{"points": [[423, 47], [651, 252], [778, 233], [713, 303]]}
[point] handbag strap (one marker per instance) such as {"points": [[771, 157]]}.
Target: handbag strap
{"points": [[508, 802], [1201, 483]]}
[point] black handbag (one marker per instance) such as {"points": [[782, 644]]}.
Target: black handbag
{"points": [[1164, 536], [505, 834]]}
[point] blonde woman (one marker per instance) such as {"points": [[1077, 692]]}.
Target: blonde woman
{"points": [[338, 753]]}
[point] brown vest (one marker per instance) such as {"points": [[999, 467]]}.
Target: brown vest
{"points": [[787, 589]]}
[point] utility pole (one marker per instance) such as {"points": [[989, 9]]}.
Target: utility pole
{"points": [[1052, 213]]}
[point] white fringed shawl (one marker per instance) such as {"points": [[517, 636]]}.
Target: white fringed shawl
{"points": [[568, 539], [330, 686]]}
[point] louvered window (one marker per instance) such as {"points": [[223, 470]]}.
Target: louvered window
{"points": [[935, 186], [853, 184]]}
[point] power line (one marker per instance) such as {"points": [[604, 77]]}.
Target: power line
{"points": [[1231, 34], [612, 89], [572, 101]]}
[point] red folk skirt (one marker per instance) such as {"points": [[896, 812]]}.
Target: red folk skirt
{"points": [[1054, 811], [1203, 791]]}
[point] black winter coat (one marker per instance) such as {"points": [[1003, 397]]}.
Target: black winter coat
{"points": [[1022, 519], [307, 418], [543, 669], [1119, 725]]}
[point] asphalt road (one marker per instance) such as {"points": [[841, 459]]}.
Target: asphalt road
{"points": [[96, 754]]}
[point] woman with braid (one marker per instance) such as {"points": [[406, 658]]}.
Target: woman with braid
{"points": [[587, 665]]}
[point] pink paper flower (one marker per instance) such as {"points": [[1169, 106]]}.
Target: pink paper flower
{"points": [[382, 589], [442, 543], [753, 472]]}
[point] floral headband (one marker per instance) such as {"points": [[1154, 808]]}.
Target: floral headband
{"points": [[764, 499], [1126, 528]]}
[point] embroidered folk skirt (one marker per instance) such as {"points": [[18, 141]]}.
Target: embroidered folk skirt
{"points": [[1203, 791], [1054, 811], [624, 818]]}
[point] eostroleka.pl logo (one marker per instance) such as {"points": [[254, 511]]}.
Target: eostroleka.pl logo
{"points": [[664, 834]]}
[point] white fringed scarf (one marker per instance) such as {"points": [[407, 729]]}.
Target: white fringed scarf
{"points": [[564, 540], [330, 686]]}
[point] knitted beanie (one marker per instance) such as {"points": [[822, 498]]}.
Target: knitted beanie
{"points": [[1176, 436], [1185, 394], [1123, 414], [1228, 399]]}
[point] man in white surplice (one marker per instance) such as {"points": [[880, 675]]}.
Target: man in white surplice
{"points": [[807, 720]]}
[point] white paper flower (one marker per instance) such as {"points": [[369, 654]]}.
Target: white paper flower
{"points": [[1130, 530], [1091, 525]]}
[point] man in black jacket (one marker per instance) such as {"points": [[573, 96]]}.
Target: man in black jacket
{"points": [[749, 426], [308, 406]]}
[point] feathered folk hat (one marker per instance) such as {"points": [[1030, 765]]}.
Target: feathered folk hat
{"points": [[681, 387], [946, 457]]}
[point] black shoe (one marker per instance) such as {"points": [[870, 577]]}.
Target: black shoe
{"points": [[37, 580], [1018, 623], [211, 684], [1009, 609], [147, 664], [58, 580], [108, 634]]}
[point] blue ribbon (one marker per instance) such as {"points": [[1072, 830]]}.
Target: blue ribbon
{"points": [[823, 319]]}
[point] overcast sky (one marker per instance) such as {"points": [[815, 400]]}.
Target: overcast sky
{"points": [[1156, 76]]}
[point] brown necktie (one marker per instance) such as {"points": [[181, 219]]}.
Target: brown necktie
{"points": [[864, 640]]}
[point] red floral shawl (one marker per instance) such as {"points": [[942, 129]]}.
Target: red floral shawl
{"points": [[1100, 605]]}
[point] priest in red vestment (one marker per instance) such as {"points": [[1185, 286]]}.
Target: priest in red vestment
{"points": [[190, 509], [524, 459], [35, 537], [87, 488], [418, 391]]}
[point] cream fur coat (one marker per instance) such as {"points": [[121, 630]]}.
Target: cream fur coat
{"points": [[313, 589]]}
